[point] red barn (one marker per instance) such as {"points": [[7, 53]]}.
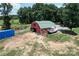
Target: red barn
{"points": [[41, 26]]}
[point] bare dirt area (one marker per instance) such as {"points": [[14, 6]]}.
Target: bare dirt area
{"points": [[20, 40], [32, 44]]}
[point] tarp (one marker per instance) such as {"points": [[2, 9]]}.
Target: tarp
{"points": [[6, 33], [45, 24]]}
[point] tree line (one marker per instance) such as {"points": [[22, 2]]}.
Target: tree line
{"points": [[67, 15]]}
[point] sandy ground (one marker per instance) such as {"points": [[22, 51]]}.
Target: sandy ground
{"points": [[34, 44]]}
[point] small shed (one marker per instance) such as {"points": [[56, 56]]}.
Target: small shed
{"points": [[41, 26]]}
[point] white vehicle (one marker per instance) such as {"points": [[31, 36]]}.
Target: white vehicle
{"points": [[57, 28]]}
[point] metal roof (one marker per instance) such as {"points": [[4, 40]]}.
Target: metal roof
{"points": [[45, 24]]}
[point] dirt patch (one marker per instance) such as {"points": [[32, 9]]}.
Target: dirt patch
{"points": [[21, 40], [33, 44], [64, 48], [59, 45]]}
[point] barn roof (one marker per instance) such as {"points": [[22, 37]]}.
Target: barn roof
{"points": [[45, 24]]}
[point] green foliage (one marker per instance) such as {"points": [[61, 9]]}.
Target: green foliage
{"points": [[70, 15], [5, 10], [39, 11], [24, 15], [67, 15]]}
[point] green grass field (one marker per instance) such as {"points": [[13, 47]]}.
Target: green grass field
{"points": [[13, 22]]}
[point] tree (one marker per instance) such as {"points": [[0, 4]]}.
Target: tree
{"points": [[71, 15], [67, 15], [5, 10], [60, 15], [39, 11], [38, 6], [24, 15], [44, 11]]}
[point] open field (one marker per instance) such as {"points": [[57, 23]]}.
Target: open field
{"points": [[62, 42], [37, 45], [27, 43], [13, 21], [14, 24]]}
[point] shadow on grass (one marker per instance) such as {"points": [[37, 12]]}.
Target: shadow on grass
{"points": [[70, 32]]}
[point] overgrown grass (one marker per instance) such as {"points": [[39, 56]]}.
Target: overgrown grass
{"points": [[76, 30], [15, 53], [13, 21], [1, 22], [1, 46], [58, 37], [11, 52], [50, 37], [5, 40], [24, 29], [33, 49], [76, 42], [38, 49]]}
